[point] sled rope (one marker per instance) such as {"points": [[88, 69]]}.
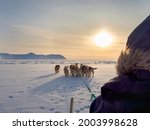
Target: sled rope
{"points": [[92, 94]]}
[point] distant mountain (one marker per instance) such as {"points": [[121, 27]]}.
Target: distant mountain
{"points": [[30, 56]]}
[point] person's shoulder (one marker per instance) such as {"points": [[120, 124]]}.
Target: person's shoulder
{"points": [[117, 86], [114, 83]]}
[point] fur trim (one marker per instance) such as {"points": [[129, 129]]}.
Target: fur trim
{"points": [[132, 59]]}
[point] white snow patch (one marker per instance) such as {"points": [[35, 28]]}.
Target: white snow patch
{"points": [[32, 86]]}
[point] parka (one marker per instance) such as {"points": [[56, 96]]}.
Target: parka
{"points": [[129, 92]]}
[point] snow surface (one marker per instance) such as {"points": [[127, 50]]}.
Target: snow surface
{"points": [[32, 86]]}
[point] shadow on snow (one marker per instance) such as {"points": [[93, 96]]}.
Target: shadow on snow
{"points": [[69, 84]]}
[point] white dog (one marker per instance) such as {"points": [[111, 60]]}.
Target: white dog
{"points": [[91, 71]]}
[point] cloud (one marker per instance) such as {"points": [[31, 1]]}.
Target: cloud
{"points": [[31, 36], [33, 31]]}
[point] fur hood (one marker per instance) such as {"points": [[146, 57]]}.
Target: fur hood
{"points": [[133, 59]]}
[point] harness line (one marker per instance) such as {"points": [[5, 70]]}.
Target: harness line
{"points": [[93, 96]]}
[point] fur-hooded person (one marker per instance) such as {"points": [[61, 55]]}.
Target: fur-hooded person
{"points": [[130, 91]]}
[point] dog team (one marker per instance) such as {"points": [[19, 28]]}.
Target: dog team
{"points": [[77, 70]]}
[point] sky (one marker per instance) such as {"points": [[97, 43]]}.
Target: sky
{"points": [[67, 27]]}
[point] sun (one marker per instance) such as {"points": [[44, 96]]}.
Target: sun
{"points": [[103, 39]]}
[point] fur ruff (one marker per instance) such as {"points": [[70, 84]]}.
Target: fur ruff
{"points": [[131, 59]]}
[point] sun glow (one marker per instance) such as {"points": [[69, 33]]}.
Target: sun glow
{"points": [[103, 39]]}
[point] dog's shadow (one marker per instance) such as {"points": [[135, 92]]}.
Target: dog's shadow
{"points": [[44, 76], [68, 84]]}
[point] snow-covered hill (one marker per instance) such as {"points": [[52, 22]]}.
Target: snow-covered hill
{"points": [[30, 56]]}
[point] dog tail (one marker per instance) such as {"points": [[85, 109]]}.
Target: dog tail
{"points": [[94, 68]]}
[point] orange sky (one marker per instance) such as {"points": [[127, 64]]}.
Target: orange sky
{"points": [[66, 27]]}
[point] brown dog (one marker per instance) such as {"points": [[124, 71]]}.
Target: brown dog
{"points": [[72, 70], [57, 67], [66, 70]]}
